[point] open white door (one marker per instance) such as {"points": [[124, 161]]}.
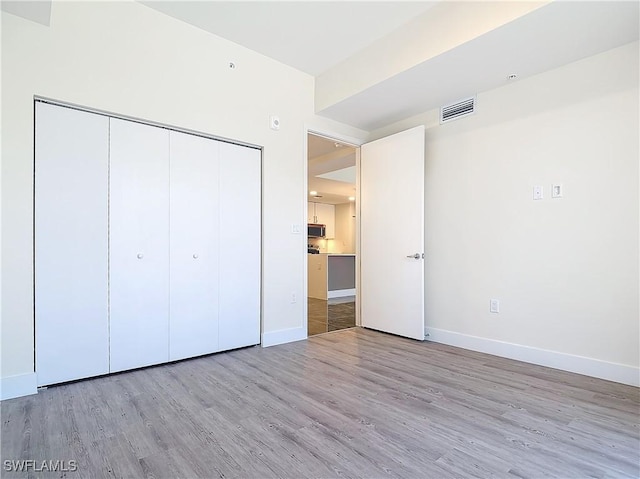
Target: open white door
{"points": [[392, 234]]}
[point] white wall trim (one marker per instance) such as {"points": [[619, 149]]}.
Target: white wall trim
{"points": [[341, 293], [17, 386], [331, 135], [283, 336], [596, 368]]}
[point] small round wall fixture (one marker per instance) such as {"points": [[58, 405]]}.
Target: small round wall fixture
{"points": [[512, 77]]}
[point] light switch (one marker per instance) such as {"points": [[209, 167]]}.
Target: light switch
{"points": [[494, 306], [556, 191], [295, 229], [537, 192]]}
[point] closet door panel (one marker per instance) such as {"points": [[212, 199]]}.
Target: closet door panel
{"points": [[71, 228], [194, 246], [240, 246], [139, 245]]}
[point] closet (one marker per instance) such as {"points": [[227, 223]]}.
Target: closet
{"points": [[147, 244]]}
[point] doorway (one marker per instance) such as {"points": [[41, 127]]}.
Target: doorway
{"points": [[331, 246]]}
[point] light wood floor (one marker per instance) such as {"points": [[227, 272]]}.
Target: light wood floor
{"points": [[352, 403]]}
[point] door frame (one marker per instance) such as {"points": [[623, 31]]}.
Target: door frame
{"points": [[351, 141]]}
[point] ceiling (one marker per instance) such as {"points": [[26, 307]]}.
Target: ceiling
{"points": [[325, 38], [327, 159], [546, 38], [310, 36], [317, 36], [34, 10]]}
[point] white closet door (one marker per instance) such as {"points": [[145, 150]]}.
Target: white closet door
{"points": [[139, 245], [194, 246], [240, 246], [71, 231]]}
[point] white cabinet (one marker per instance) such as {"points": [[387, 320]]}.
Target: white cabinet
{"points": [[327, 216], [345, 228], [71, 250], [311, 212], [194, 262], [139, 245], [322, 214]]}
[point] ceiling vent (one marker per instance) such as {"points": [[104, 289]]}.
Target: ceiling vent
{"points": [[458, 110]]}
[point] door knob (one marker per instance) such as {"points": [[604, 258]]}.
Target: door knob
{"points": [[414, 256], [140, 255], [195, 256]]}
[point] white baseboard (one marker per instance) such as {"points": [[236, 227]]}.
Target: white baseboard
{"points": [[282, 336], [17, 386], [341, 293], [596, 368]]}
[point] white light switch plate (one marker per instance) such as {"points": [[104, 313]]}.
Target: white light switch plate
{"points": [[494, 306]]}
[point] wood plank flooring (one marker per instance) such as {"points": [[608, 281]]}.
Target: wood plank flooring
{"points": [[352, 403], [326, 316]]}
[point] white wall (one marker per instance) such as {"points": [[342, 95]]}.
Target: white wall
{"points": [[565, 270], [345, 229], [126, 58]]}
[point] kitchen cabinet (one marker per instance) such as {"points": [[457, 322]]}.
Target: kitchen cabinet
{"points": [[331, 275], [345, 229], [140, 258], [311, 212], [323, 214]]}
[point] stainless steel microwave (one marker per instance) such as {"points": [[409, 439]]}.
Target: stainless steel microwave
{"points": [[316, 231]]}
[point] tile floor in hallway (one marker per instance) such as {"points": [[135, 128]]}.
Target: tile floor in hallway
{"points": [[332, 315]]}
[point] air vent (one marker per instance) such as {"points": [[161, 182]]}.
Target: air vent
{"points": [[458, 110]]}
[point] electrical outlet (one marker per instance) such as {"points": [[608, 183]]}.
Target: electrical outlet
{"points": [[294, 298], [494, 306], [538, 192], [556, 191]]}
